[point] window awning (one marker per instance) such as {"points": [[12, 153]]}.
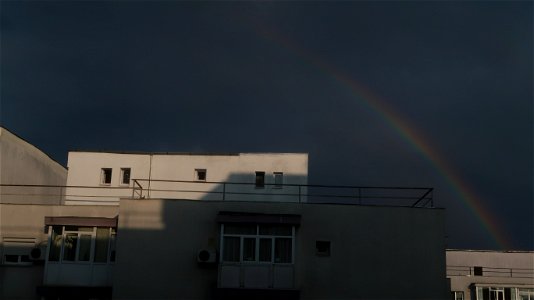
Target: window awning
{"points": [[82, 221], [257, 218]]}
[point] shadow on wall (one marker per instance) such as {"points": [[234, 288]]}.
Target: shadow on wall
{"points": [[159, 239], [280, 188]]}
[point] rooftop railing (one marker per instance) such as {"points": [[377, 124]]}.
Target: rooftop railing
{"points": [[221, 191], [490, 272]]}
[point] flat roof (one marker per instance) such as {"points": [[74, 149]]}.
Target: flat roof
{"points": [[183, 153]]}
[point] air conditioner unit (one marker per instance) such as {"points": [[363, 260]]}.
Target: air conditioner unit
{"points": [[38, 253], [207, 256]]}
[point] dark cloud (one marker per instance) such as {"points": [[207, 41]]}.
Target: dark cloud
{"points": [[267, 76]]}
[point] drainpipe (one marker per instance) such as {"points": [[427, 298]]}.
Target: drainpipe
{"points": [[149, 175]]}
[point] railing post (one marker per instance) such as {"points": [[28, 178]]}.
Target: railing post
{"points": [[299, 193], [224, 191]]}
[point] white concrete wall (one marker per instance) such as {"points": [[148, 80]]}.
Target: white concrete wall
{"points": [[500, 269], [376, 252], [23, 164], [85, 170]]}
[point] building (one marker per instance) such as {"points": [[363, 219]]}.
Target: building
{"points": [[220, 226], [491, 275], [21, 163], [104, 177]]}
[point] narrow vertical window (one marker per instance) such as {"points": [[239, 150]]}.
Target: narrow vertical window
{"points": [[125, 175], [200, 174], [278, 179], [105, 177], [260, 179]]}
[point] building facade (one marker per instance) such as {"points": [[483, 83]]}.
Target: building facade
{"points": [[491, 275], [28, 175], [104, 177], [131, 226]]}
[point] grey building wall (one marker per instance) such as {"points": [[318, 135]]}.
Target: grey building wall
{"points": [[376, 252]]}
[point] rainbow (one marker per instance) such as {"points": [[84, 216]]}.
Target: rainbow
{"points": [[401, 126]]}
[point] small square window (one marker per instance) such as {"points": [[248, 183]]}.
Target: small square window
{"points": [[9, 258], [278, 179], [200, 174], [322, 248], [105, 177], [260, 179], [125, 175], [478, 271]]}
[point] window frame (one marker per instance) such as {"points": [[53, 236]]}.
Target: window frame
{"points": [[280, 176], [200, 171], [260, 180], [110, 259], [123, 173], [103, 176], [257, 240]]}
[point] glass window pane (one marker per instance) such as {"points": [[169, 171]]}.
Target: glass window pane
{"points": [[78, 228], [85, 248], [282, 250], [55, 243], [278, 179], [249, 249], [276, 230], [240, 229], [231, 249], [11, 258], [69, 249], [112, 245], [101, 244], [265, 250]]}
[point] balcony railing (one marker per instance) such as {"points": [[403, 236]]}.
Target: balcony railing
{"points": [[490, 272], [220, 191]]}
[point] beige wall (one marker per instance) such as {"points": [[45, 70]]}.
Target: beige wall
{"points": [[85, 170], [377, 252], [26, 222], [500, 269], [23, 163]]}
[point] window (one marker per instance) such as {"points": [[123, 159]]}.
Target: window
{"points": [[125, 175], [81, 244], [525, 294], [457, 295], [260, 179], [105, 177], [478, 271], [493, 293], [14, 259], [257, 243], [278, 179], [200, 174], [322, 248]]}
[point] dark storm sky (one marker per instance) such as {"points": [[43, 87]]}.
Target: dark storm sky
{"points": [[245, 77]]}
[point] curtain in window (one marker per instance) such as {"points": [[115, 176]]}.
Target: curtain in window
{"points": [[231, 249], [282, 250], [101, 245], [85, 248]]}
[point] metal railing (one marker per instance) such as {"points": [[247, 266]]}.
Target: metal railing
{"points": [[223, 191], [490, 272], [236, 191]]}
